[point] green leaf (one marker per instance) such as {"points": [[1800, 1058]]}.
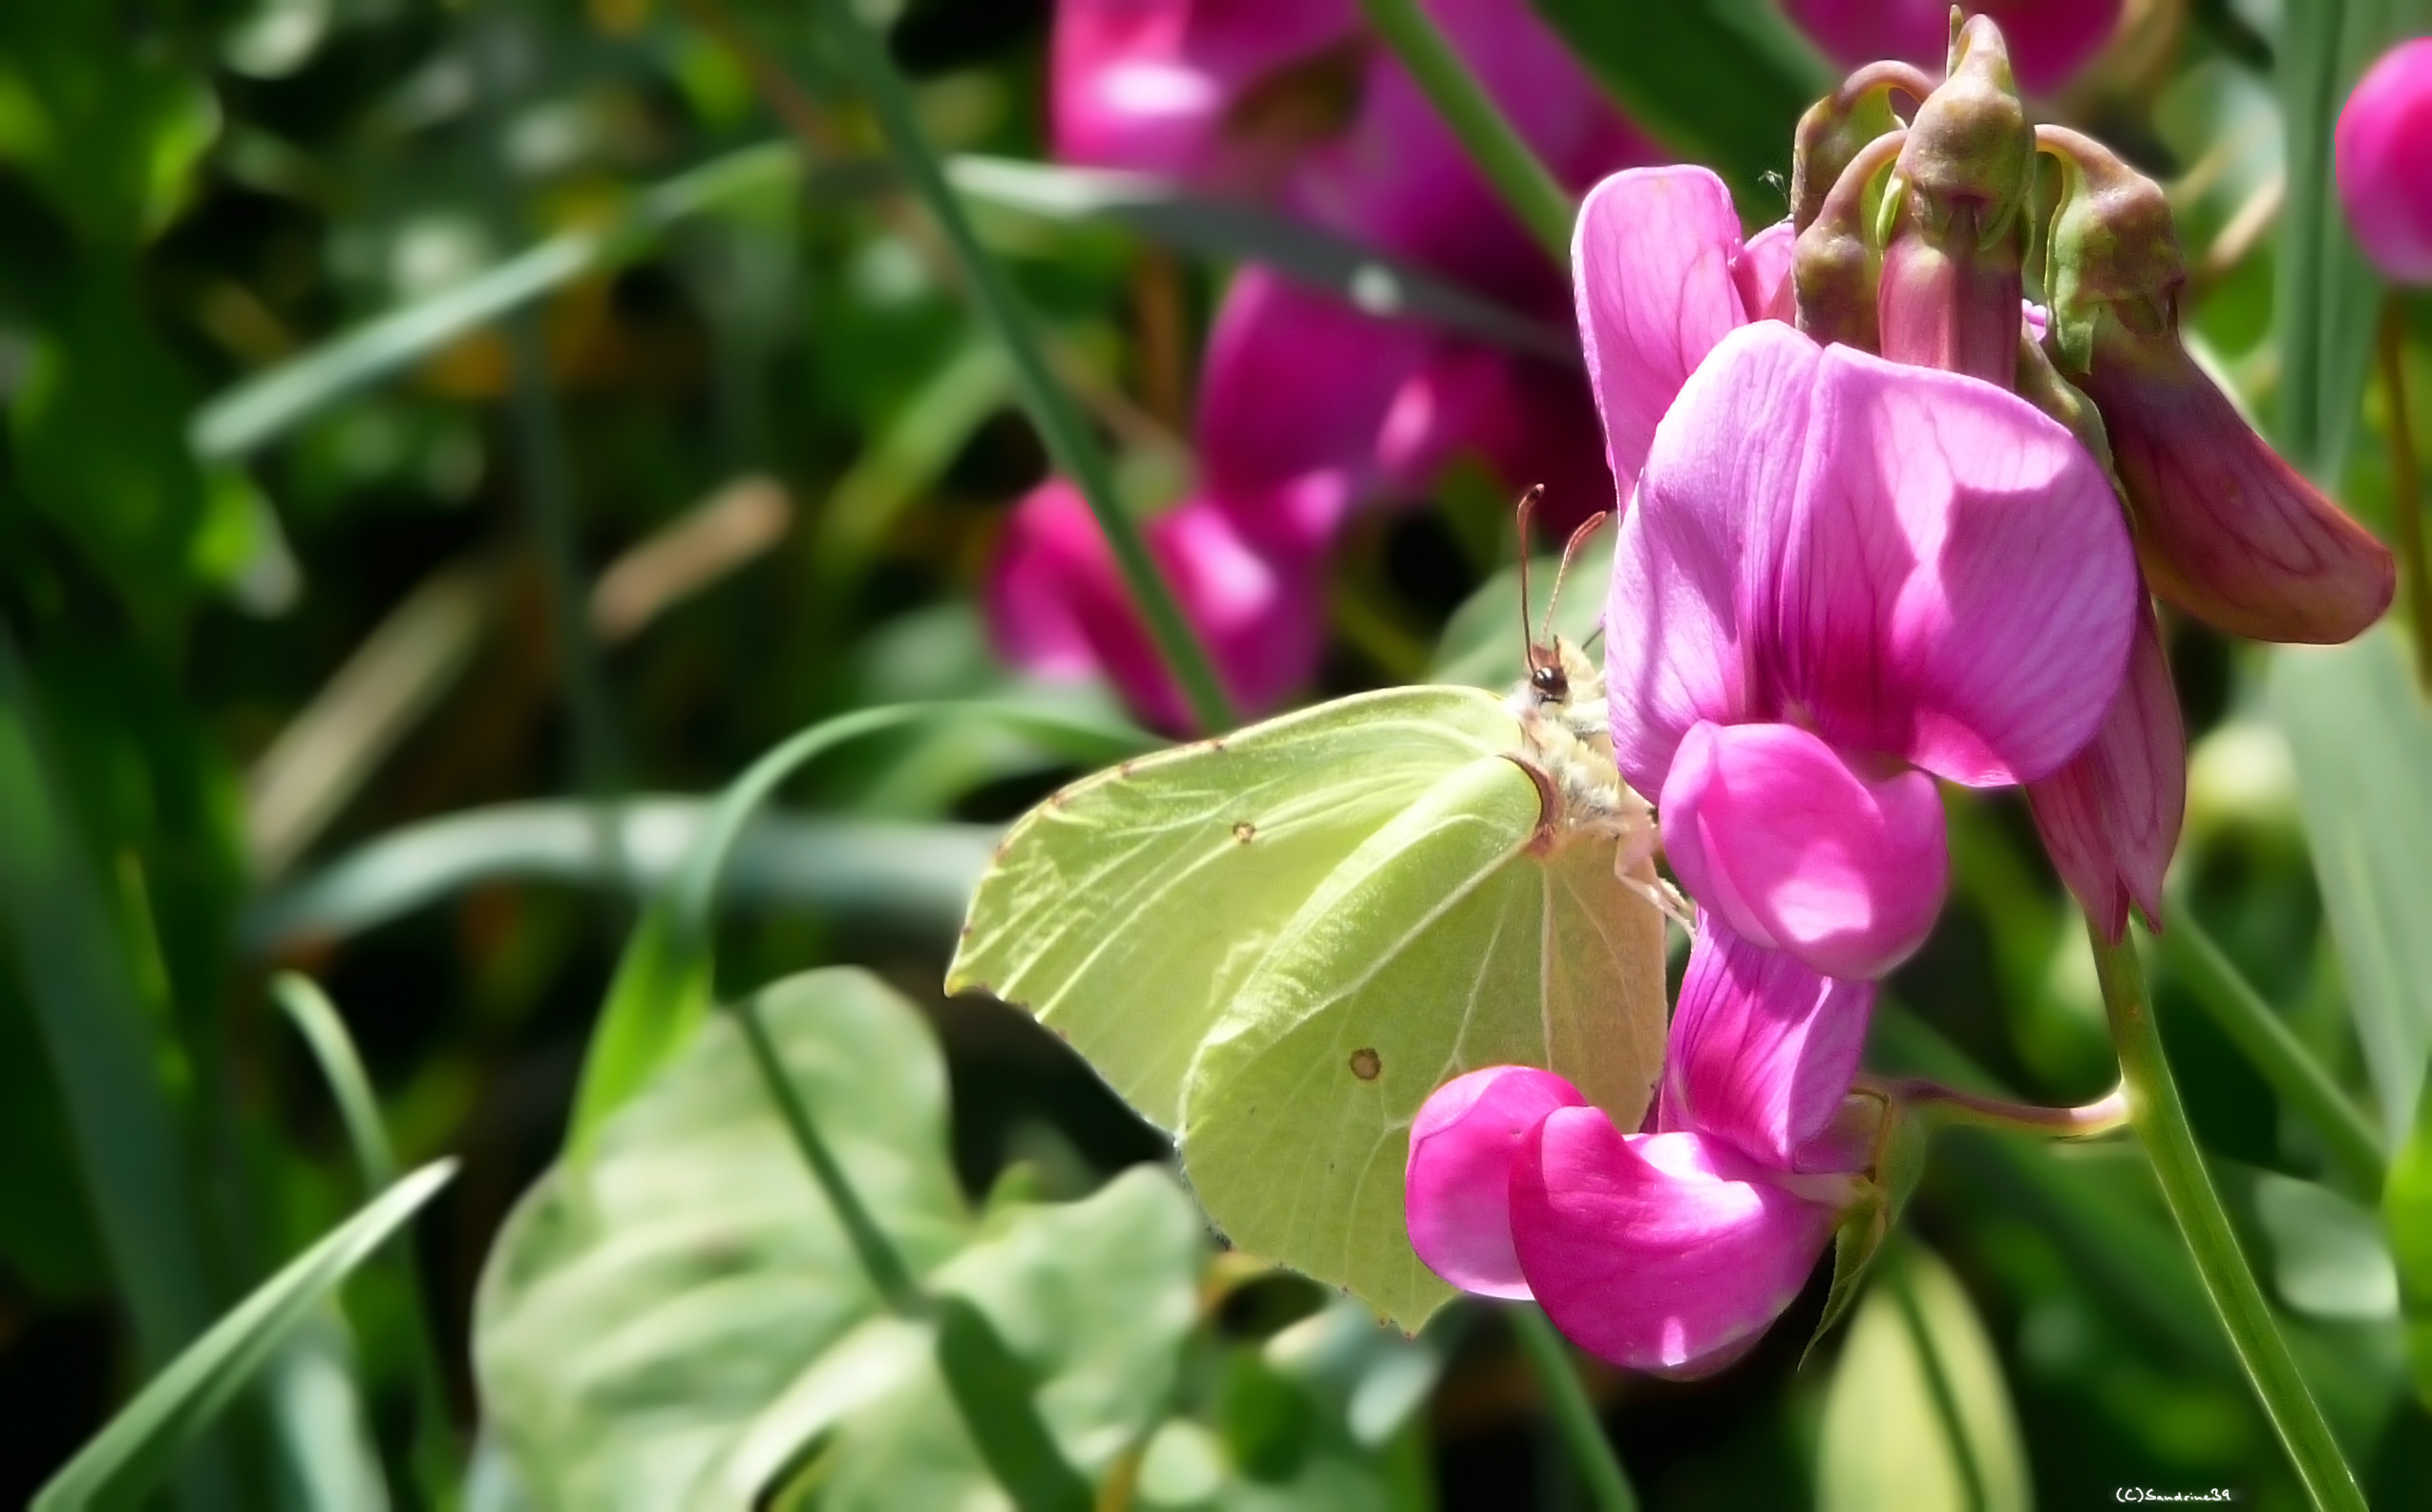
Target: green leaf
{"points": [[2407, 1208], [129, 1456], [1918, 1416], [2361, 740], [1276, 944], [1720, 81], [677, 1320], [2329, 1260], [664, 978], [2327, 295], [1478, 649]]}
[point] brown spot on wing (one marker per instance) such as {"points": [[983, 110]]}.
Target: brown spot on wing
{"points": [[1365, 1065]]}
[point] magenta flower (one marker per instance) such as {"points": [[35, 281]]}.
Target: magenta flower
{"points": [[1061, 610], [2049, 39], [1669, 1251], [1837, 569], [2384, 162], [1310, 408]]}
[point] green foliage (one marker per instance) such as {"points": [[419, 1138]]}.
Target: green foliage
{"points": [[1918, 1416], [677, 1320], [2406, 1208], [1274, 945], [131, 1456]]}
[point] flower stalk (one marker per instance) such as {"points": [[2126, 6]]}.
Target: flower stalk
{"points": [[1574, 1416], [1499, 152], [2161, 1121], [1069, 440]]}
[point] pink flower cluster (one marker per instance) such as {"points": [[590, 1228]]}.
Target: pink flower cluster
{"points": [[1308, 408]]}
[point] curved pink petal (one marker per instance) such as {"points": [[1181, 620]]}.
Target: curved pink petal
{"points": [[1768, 827], [1763, 1051], [1296, 398], [1220, 95], [2049, 40], [1057, 606], [1652, 270], [1457, 1186], [1957, 587], [1666, 1252], [2384, 162], [1760, 273], [1697, 547], [2111, 818]]}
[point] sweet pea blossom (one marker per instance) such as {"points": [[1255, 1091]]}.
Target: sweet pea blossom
{"points": [[2049, 39], [1309, 407], [2384, 162], [1838, 575], [1672, 1249]]}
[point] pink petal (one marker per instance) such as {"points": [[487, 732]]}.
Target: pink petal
{"points": [[2384, 162], [1719, 476], [1057, 606], [2111, 818], [1763, 1050], [1200, 92], [1760, 273], [1295, 404], [1768, 827], [1957, 587], [2049, 40], [1651, 266], [1666, 1252], [2226, 529], [1457, 1186]]}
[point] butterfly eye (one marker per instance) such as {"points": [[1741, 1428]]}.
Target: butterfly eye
{"points": [[1550, 681]]}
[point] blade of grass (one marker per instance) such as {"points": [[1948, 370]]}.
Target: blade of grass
{"points": [[663, 981], [137, 1447], [1497, 149], [2271, 1048], [1068, 438]]}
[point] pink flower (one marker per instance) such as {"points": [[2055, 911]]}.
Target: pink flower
{"points": [[1309, 407], [1060, 606], [2049, 39], [1669, 1251], [1837, 568], [2384, 162]]}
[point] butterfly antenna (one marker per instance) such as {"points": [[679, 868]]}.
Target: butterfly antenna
{"points": [[1527, 506], [1570, 548]]}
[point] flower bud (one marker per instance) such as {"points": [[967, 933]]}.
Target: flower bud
{"points": [[2226, 529], [1833, 268], [2384, 162], [1948, 293], [1836, 128]]}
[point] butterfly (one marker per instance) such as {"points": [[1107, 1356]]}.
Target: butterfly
{"points": [[1275, 944]]}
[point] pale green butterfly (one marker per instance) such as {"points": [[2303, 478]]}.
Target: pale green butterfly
{"points": [[1274, 945]]}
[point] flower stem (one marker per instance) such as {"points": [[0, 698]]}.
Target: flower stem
{"points": [[1068, 438], [2406, 495], [1509, 164], [1951, 1106], [2271, 1048], [1574, 1414], [2161, 1122]]}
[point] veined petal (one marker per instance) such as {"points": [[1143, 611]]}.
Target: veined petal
{"points": [[1666, 1252], [1768, 828], [1763, 1048], [1698, 545], [1651, 263], [1958, 588], [2111, 818], [2226, 529], [1761, 272], [1457, 1186]]}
